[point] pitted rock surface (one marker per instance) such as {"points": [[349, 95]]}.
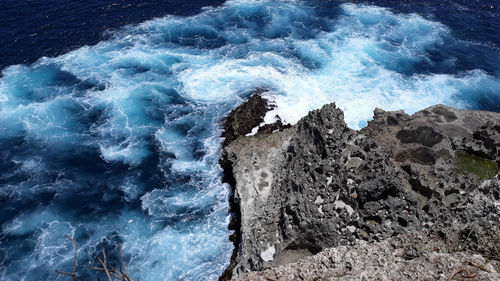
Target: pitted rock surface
{"points": [[316, 185], [406, 257], [431, 150], [321, 185]]}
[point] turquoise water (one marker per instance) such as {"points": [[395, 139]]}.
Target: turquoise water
{"points": [[119, 142]]}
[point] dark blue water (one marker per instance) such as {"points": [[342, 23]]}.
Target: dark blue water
{"points": [[30, 29], [115, 136]]}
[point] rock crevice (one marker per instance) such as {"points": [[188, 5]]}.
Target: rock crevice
{"points": [[319, 185]]}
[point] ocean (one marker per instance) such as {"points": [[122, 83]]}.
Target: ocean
{"points": [[110, 111]]}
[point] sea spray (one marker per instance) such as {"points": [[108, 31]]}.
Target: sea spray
{"points": [[119, 142]]}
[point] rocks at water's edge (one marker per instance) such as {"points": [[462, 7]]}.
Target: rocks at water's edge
{"points": [[320, 188], [240, 122]]}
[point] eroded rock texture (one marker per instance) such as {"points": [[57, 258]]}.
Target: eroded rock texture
{"points": [[405, 257], [442, 153], [320, 185], [245, 117]]}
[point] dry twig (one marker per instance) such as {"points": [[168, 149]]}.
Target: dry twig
{"points": [[73, 273], [455, 273], [270, 278], [111, 273], [482, 267]]}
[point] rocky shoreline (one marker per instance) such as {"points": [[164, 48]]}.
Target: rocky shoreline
{"points": [[422, 192]]}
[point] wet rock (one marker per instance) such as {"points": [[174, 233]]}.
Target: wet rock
{"points": [[421, 155], [274, 127], [423, 135], [448, 115], [245, 117]]}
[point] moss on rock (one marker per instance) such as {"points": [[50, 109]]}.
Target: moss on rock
{"points": [[468, 164]]}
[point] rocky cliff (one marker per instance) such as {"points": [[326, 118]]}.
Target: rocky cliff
{"points": [[322, 189]]}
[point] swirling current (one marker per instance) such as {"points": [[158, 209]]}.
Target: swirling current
{"points": [[119, 142]]}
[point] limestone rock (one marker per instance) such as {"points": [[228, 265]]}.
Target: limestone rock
{"points": [[419, 256], [320, 188]]}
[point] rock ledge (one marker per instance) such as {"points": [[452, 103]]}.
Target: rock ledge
{"points": [[319, 190]]}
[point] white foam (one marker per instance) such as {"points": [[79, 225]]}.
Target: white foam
{"points": [[361, 61]]}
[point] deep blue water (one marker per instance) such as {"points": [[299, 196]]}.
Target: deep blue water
{"points": [[117, 141], [30, 29]]}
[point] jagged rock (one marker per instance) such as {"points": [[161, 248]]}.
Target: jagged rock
{"points": [[305, 189], [320, 185], [440, 152], [245, 117], [419, 256]]}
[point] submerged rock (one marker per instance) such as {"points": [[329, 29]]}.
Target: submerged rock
{"points": [[320, 185]]}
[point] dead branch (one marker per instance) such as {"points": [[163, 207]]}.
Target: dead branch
{"points": [[73, 273], [124, 266], [455, 273], [111, 272], [270, 278], [104, 264], [482, 267]]}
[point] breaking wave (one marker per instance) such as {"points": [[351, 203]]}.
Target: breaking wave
{"points": [[119, 142]]}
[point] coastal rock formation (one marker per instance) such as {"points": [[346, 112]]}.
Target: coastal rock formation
{"points": [[249, 116], [320, 185], [405, 257], [245, 117], [441, 152]]}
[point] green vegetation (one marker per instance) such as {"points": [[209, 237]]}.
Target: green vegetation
{"points": [[471, 164]]}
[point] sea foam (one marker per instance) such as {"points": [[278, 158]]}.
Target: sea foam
{"points": [[119, 142]]}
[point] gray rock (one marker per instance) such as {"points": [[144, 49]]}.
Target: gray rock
{"points": [[304, 189], [406, 257], [440, 150], [320, 185]]}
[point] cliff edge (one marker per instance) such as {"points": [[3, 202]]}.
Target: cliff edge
{"points": [[419, 191]]}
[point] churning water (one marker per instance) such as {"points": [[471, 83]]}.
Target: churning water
{"points": [[119, 142]]}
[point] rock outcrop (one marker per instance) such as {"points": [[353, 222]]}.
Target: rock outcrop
{"points": [[442, 152], [405, 257], [320, 188], [245, 117]]}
